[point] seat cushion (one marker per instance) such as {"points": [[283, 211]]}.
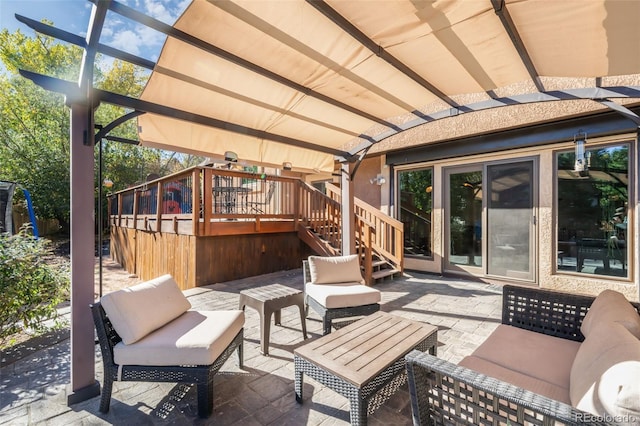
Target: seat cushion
{"points": [[337, 269], [534, 354], [342, 295], [533, 384], [605, 378], [611, 306], [138, 310], [194, 338]]}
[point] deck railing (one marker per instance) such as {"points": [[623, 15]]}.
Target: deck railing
{"points": [[386, 235], [205, 201], [174, 203]]}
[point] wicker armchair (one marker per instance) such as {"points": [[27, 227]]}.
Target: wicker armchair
{"points": [[147, 333], [201, 375], [445, 393], [328, 311]]}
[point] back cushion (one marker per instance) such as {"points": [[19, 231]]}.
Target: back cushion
{"points": [[605, 375], [332, 270], [137, 311], [611, 306]]}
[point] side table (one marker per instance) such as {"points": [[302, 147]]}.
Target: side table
{"points": [[269, 300]]}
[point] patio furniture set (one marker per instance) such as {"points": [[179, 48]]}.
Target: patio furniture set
{"points": [[555, 358]]}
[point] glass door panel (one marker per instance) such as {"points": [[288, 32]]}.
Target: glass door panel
{"points": [[465, 218], [510, 215], [415, 211]]}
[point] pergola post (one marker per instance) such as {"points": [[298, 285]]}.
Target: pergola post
{"points": [[83, 383], [347, 210]]}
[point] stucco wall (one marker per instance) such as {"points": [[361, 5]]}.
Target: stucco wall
{"points": [[546, 275], [363, 188]]}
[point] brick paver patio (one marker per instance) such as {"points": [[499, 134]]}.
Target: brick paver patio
{"points": [[32, 389]]}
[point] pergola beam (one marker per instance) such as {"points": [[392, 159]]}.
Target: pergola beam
{"points": [[81, 42], [104, 131], [510, 27], [598, 94], [72, 92]]}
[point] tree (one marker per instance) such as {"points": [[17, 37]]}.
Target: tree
{"points": [[34, 124]]}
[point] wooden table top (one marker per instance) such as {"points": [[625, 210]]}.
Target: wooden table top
{"points": [[360, 351], [270, 292]]}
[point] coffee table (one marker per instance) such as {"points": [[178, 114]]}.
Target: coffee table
{"points": [[270, 299], [364, 361]]}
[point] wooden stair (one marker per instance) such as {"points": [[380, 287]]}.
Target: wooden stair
{"points": [[319, 228], [319, 245]]}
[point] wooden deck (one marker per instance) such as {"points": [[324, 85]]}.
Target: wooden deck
{"points": [[231, 225], [194, 261]]}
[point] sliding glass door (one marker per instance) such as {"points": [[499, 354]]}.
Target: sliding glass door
{"points": [[465, 217], [490, 219], [510, 220]]}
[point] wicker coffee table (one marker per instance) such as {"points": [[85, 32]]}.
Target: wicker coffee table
{"points": [[269, 300], [364, 361]]}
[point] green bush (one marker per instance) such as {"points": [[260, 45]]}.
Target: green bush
{"points": [[31, 287]]}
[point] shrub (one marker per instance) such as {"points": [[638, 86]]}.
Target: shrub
{"points": [[30, 288]]}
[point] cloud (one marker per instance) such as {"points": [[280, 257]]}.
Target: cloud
{"points": [[137, 39], [127, 40], [156, 9]]}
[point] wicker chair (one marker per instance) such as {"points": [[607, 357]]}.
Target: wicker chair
{"points": [[200, 375], [329, 313], [444, 393], [149, 351]]}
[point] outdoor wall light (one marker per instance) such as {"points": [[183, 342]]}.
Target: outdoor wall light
{"points": [[583, 157], [378, 180], [286, 165], [231, 157]]}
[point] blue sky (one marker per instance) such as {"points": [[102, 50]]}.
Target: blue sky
{"points": [[118, 32]]}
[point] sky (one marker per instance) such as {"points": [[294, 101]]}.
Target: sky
{"points": [[118, 32]]}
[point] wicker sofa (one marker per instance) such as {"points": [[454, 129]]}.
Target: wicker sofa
{"points": [[148, 333], [557, 358]]}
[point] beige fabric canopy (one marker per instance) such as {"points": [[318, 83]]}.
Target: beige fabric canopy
{"points": [[295, 81]]}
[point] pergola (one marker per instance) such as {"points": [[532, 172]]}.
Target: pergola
{"points": [[314, 82]]}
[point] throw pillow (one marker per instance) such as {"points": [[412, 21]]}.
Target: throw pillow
{"points": [[138, 310], [605, 375], [333, 270], [611, 306]]}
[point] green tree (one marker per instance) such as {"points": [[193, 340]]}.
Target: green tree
{"points": [[34, 124]]}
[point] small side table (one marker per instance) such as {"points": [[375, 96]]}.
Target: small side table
{"points": [[270, 299]]}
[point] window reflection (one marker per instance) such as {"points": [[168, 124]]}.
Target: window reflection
{"points": [[592, 212], [465, 220], [416, 210]]}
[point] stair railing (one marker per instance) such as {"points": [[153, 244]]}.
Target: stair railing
{"points": [[321, 214], [388, 238]]}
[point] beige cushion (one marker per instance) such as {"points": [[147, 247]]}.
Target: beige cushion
{"points": [[194, 338], [529, 383], [611, 306], [605, 378], [338, 269], [537, 355], [342, 295], [137, 311]]}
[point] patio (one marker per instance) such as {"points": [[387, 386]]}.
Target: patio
{"points": [[32, 390]]}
